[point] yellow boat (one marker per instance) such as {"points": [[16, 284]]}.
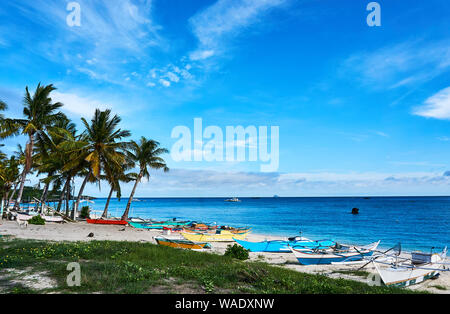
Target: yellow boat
{"points": [[224, 236], [182, 244]]}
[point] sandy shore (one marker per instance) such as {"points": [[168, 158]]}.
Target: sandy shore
{"points": [[79, 232]]}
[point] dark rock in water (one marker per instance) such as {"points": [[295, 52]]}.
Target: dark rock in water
{"points": [[91, 235], [355, 211]]}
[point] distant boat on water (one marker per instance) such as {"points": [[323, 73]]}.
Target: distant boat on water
{"points": [[234, 199]]}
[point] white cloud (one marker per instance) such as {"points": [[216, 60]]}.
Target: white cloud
{"points": [[399, 65], [76, 106], [224, 20], [109, 31], [436, 106], [173, 77], [190, 182], [164, 82], [201, 55]]}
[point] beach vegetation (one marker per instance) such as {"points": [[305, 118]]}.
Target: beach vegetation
{"points": [[85, 212], [132, 267], [36, 220], [238, 252]]}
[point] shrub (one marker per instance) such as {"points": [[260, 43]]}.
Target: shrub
{"points": [[36, 220], [237, 251], [85, 212]]}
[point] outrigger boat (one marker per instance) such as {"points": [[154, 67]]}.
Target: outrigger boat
{"points": [[224, 236], [107, 222], [215, 231], [160, 225], [283, 246], [181, 243], [420, 267], [338, 253]]}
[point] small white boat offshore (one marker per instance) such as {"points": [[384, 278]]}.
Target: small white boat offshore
{"points": [[420, 267], [338, 253], [234, 199]]}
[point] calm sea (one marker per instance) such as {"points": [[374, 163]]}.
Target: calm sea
{"points": [[419, 223]]}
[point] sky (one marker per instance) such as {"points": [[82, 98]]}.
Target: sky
{"points": [[359, 109]]}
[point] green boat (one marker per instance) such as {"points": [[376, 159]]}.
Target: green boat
{"points": [[148, 225]]}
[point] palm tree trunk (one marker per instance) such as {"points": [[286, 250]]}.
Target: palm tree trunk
{"points": [[44, 196], [13, 193], [105, 212], [6, 198], [26, 169], [127, 210], [67, 200], [63, 192], [22, 185], [80, 194]]}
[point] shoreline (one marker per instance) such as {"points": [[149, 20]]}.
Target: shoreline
{"points": [[74, 232]]}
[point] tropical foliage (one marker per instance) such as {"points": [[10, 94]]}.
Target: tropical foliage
{"points": [[57, 153]]}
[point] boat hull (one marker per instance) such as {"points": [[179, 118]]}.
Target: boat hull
{"points": [[326, 257], [408, 276], [181, 244], [157, 226], [282, 246], [222, 237], [106, 222]]}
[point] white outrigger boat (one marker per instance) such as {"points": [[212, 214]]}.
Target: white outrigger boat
{"points": [[420, 267], [339, 253]]}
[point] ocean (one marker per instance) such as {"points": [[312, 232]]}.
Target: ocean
{"points": [[418, 223]]}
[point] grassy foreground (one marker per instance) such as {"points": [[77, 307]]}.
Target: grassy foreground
{"points": [[126, 267]]}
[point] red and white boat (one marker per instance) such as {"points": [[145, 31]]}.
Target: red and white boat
{"points": [[107, 222]]}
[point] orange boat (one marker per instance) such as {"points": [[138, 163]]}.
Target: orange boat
{"points": [[106, 222], [182, 244], [217, 231]]}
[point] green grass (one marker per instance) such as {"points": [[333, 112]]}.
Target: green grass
{"points": [[439, 287], [359, 273], [130, 267]]}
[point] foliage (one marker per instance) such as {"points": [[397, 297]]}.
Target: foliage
{"points": [[36, 220], [237, 251], [132, 267], [85, 212]]}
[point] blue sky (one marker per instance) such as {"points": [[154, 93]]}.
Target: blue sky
{"points": [[361, 110]]}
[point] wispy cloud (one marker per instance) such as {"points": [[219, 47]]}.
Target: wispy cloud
{"points": [[400, 65], [113, 36], [76, 106], [215, 26], [436, 106], [227, 183]]}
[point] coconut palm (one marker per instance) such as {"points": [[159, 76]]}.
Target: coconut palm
{"points": [[9, 173], [102, 148], [146, 155], [49, 155], [39, 113], [118, 175]]}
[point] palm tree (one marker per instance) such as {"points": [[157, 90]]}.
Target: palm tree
{"points": [[102, 149], [40, 113], [146, 154], [118, 175], [9, 173], [49, 156]]}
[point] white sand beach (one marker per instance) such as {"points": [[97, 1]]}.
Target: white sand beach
{"points": [[79, 232]]}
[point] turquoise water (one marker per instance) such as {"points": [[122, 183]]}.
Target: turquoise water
{"points": [[419, 223]]}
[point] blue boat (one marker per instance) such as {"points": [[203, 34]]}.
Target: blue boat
{"points": [[282, 246]]}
